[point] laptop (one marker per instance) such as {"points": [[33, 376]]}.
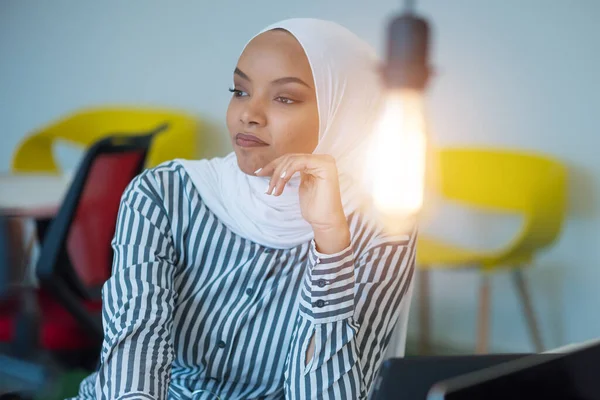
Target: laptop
{"points": [[571, 376], [411, 378]]}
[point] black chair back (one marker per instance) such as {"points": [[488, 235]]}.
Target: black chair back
{"points": [[76, 255]]}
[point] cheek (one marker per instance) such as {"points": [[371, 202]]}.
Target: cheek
{"points": [[296, 132], [231, 116]]}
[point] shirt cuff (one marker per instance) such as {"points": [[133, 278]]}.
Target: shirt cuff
{"points": [[328, 290]]}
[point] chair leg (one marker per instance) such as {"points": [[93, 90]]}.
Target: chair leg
{"points": [[483, 319], [424, 317], [536, 338]]}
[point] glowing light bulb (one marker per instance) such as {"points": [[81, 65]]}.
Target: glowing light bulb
{"points": [[396, 159]]}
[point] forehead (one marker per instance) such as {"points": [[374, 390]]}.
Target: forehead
{"points": [[275, 54]]}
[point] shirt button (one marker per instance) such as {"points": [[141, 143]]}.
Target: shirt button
{"points": [[321, 283], [221, 344], [318, 261], [320, 303], [249, 291]]}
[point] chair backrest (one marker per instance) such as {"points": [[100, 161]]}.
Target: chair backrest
{"points": [[499, 179], [86, 127], [77, 247], [508, 181]]}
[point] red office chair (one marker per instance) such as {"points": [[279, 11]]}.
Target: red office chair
{"points": [[76, 255]]}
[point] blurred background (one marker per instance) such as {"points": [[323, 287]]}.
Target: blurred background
{"points": [[511, 75]]}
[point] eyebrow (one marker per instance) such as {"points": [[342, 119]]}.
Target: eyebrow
{"points": [[241, 74], [279, 81], [290, 79]]}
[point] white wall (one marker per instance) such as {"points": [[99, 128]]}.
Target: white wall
{"points": [[510, 73]]}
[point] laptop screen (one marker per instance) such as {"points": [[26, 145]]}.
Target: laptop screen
{"points": [[573, 375], [412, 377]]}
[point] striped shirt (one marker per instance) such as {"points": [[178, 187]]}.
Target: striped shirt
{"points": [[193, 308]]}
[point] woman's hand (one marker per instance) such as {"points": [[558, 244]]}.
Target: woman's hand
{"points": [[319, 192]]}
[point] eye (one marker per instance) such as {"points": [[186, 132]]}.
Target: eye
{"points": [[238, 93], [285, 100]]}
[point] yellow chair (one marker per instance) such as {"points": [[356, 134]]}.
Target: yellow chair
{"points": [[502, 181], [180, 140]]}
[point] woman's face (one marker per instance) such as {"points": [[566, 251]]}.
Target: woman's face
{"points": [[273, 110]]}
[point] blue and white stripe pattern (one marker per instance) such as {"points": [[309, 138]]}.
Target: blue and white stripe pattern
{"points": [[191, 306]]}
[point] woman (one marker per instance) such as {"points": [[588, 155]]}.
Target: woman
{"points": [[258, 275]]}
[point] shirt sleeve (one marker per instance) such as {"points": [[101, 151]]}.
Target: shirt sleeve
{"points": [[350, 304], [139, 298]]}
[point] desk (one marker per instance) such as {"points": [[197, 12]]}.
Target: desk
{"points": [[28, 195], [25, 197]]}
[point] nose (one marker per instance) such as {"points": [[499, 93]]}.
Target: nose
{"points": [[253, 113]]}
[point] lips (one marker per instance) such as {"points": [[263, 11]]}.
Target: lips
{"points": [[248, 140]]}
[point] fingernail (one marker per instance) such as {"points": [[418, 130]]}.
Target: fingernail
{"points": [[257, 171], [267, 189], [273, 191], [283, 174]]}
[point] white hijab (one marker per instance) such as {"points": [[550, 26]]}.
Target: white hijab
{"points": [[348, 92]]}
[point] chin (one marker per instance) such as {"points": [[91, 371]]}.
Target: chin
{"points": [[246, 164]]}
